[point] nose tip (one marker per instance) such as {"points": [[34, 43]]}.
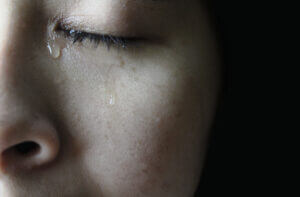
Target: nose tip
{"points": [[26, 147]]}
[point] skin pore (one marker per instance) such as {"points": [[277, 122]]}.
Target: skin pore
{"points": [[113, 97]]}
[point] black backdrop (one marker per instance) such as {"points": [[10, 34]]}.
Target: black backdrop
{"points": [[222, 170], [247, 153]]}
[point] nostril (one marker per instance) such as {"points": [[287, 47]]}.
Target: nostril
{"points": [[26, 148], [20, 156], [23, 149]]}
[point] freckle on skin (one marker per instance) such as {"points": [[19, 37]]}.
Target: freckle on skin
{"points": [[159, 86], [109, 125], [178, 114], [106, 137], [121, 62]]}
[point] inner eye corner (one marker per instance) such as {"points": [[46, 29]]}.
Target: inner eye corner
{"points": [[58, 26], [58, 23], [54, 23]]}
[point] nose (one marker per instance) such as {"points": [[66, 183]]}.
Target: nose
{"points": [[28, 138], [27, 145]]}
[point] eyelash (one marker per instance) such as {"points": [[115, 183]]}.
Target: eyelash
{"points": [[108, 40]]}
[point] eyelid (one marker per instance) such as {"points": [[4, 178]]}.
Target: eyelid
{"points": [[89, 24], [83, 24], [63, 27], [108, 40]]}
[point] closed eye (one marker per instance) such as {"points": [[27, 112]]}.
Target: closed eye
{"points": [[108, 40]]}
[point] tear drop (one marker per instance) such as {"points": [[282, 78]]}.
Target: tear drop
{"points": [[112, 99], [54, 49]]}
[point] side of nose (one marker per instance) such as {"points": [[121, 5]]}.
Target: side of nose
{"points": [[27, 145], [28, 138]]}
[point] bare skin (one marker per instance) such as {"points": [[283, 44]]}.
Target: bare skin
{"points": [[97, 119]]}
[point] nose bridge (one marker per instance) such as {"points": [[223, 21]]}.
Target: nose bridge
{"points": [[6, 24], [13, 14], [16, 26], [17, 96]]}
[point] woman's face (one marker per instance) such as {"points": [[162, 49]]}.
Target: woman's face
{"points": [[105, 97]]}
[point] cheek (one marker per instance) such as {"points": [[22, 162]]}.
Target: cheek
{"points": [[138, 125], [156, 132]]}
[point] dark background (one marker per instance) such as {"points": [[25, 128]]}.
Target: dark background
{"points": [[249, 150], [226, 171]]}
